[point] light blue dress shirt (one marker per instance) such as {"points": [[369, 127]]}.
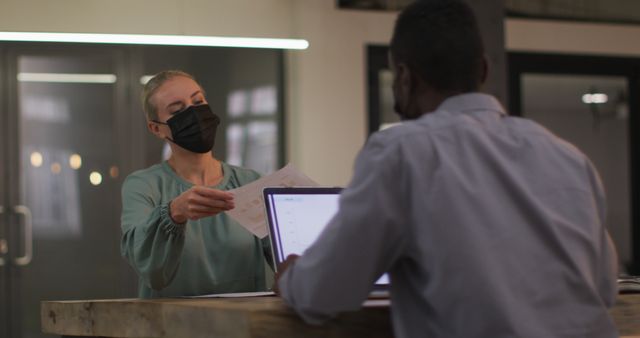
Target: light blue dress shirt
{"points": [[489, 225]]}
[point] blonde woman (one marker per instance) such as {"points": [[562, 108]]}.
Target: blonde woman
{"points": [[175, 233]]}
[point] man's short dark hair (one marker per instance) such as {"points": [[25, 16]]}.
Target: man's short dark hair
{"points": [[439, 41]]}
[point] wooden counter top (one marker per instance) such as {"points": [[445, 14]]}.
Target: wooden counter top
{"points": [[210, 317], [236, 317]]}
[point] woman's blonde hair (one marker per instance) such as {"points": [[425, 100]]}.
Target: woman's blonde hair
{"points": [[150, 88]]}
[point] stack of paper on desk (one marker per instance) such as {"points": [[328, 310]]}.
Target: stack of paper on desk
{"points": [[249, 210]]}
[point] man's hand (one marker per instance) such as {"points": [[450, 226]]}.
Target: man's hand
{"points": [[199, 202], [282, 267]]}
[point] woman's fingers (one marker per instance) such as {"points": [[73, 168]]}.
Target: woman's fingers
{"points": [[214, 194], [198, 201], [206, 209], [215, 198], [208, 202]]}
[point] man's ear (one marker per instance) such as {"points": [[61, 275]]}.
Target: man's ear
{"points": [[404, 76], [484, 71]]}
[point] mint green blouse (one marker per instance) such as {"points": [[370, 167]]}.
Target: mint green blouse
{"points": [[210, 255]]}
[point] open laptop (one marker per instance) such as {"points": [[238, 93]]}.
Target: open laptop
{"points": [[297, 216]]}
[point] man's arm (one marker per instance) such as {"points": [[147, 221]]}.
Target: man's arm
{"points": [[359, 244], [607, 271]]}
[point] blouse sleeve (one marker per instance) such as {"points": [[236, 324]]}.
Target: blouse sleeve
{"points": [[151, 241]]}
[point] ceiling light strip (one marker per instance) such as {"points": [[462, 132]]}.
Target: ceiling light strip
{"points": [[168, 40], [66, 78]]}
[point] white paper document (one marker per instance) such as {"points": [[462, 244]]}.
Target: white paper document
{"points": [[237, 295], [249, 210]]}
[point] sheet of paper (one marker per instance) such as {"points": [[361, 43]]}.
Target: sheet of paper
{"points": [[249, 210], [236, 295]]}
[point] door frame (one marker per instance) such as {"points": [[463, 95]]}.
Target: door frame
{"points": [[570, 64], [4, 200], [377, 60]]}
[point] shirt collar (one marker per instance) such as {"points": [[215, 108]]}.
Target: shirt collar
{"points": [[472, 102]]}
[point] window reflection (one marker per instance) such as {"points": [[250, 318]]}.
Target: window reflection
{"points": [[46, 109], [237, 103], [57, 215], [261, 146], [252, 133], [235, 144], [388, 117], [264, 101]]}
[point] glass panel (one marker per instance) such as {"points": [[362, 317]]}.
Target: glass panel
{"points": [[261, 147], [236, 136], [69, 179], [591, 112], [388, 116]]}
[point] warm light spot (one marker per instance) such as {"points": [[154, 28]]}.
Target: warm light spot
{"points": [[114, 172], [75, 161], [36, 159], [95, 178], [56, 167]]}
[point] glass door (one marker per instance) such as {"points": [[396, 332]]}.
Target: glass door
{"points": [[592, 113], [65, 119], [592, 102], [71, 130]]}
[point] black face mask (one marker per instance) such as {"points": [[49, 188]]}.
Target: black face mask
{"points": [[194, 128]]}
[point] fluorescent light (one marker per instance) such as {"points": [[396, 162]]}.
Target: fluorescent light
{"points": [[595, 98], [66, 78], [169, 40]]}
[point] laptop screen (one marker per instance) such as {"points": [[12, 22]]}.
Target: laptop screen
{"points": [[297, 216]]}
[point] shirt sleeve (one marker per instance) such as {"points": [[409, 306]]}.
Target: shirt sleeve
{"points": [[358, 245], [151, 241], [607, 270]]}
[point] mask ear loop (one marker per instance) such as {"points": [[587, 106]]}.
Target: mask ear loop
{"points": [[166, 124]]}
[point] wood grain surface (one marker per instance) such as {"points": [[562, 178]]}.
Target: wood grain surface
{"points": [[231, 317], [237, 317]]}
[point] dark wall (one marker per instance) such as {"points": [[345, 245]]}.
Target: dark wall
{"points": [[490, 14]]}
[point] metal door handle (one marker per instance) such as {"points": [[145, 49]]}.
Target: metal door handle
{"points": [[3, 243], [28, 236]]}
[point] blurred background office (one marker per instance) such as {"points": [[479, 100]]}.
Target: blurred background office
{"points": [[71, 122]]}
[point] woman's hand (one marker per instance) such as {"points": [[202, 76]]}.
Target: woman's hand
{"points": [[199, 202]]}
